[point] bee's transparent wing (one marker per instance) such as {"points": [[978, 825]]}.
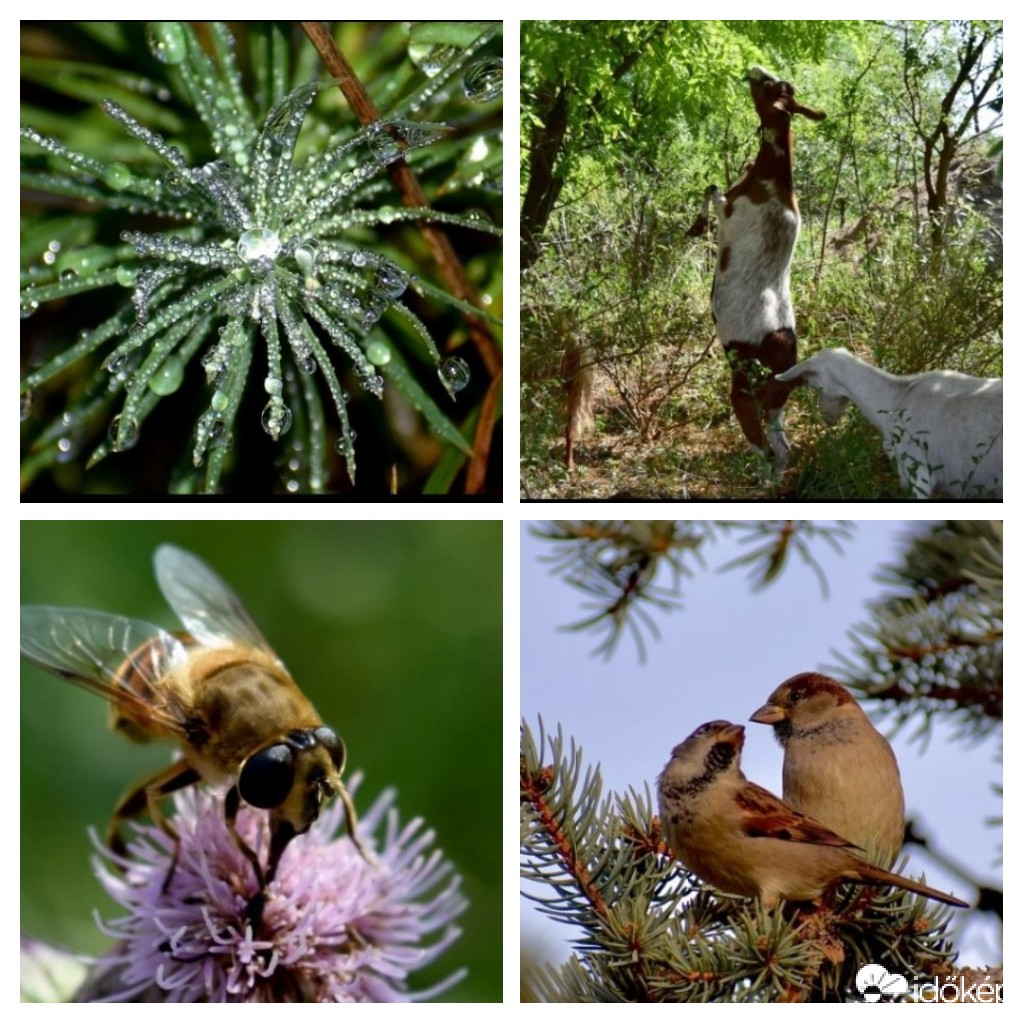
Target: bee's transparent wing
{"points": [[100, 651], [206, 605]]}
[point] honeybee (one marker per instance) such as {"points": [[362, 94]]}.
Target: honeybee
{"points": [[217, 689]]}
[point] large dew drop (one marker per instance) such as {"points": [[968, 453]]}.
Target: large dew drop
{"points": [[258, 244], [483, 79], [123, 435], [455, 373], [168, 378]]}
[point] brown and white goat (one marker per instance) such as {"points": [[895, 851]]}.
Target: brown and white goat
{"points": [[758, 224]]}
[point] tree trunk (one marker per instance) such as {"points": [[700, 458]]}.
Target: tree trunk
{"points": [[547, 144]]}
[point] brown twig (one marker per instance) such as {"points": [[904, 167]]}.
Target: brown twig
{"points": [[444, 254], [532, 791]]}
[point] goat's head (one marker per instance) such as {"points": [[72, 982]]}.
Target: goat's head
{"points": [[775, 99], [813, 374]]}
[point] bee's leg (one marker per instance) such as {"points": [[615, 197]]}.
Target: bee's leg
{"points": [[147, 796], [280, 837], [231, 804]]}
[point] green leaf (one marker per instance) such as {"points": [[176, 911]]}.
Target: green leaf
{"points": [[446, 33]]}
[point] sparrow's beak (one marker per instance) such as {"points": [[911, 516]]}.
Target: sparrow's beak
{"points": [[769, 714], [730, 734]]}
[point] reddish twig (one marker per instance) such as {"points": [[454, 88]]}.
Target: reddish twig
{"points": [[532, 790]]}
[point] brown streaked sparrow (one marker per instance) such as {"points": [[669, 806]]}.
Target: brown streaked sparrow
{"points": [[838, 767], [742, 839]]}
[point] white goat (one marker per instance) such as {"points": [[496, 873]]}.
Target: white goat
{"points": [[944, 429]]}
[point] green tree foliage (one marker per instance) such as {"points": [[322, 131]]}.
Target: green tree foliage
{"points": [[622, 116], [619, 89]]}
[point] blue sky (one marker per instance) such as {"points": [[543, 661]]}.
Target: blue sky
{"points": [[720, 657]]}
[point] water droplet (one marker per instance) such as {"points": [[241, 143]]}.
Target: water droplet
{"points": [[276, 418], [478, 151], [307, 364], [68, 274], [419, 133], [478, 215], [219, 401], [118, 177], [213, 365], [273, 386], [258, 244], [359, 259], [26, 405], [305, 255], [28, 308], [168, 378], [168, 41], [431, 58], [378, 353], [123, 437], [65, 449], [125, 276], [455, 373], [392, 281], [116, 363], [292, 486], [482, 80], [384, 148]]}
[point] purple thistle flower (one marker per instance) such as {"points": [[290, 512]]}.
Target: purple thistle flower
{"points": [[334, 928]]}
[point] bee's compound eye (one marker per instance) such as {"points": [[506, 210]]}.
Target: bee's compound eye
{"points": [[300, 739], [266, 777], [331, 742]]}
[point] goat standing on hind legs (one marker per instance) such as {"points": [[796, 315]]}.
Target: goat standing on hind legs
{"points": [[758, 223]]}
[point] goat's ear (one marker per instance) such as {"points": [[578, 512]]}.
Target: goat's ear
{"points": [[795, 373]]}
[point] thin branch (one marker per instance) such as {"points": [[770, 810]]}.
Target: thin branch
{"points": [[532, 790]]}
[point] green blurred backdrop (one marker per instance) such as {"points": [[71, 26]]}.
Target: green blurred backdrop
{"points": [[393, 629]]}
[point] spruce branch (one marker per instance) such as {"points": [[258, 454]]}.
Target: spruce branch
{"points": [[621, 564], [650, 932], [934, 644]]}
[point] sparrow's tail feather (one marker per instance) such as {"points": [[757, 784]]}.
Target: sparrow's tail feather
{"points": [[870, 873]]}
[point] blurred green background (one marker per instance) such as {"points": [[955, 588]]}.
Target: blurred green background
{"points": [[393, 629]]}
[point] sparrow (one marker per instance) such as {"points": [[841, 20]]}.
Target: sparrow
{"points": [[742, 839], [838, 767]]}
